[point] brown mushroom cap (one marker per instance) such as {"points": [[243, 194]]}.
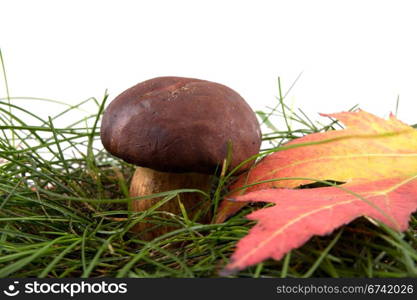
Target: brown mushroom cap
{"points": [[174, 124]]}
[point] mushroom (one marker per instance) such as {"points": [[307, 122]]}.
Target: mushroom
{"points": [[177, 131]]}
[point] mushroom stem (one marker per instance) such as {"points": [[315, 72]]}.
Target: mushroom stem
{"points": [[147, 181]]}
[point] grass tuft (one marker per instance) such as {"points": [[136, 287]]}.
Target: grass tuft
{"points": [[64, 210]]}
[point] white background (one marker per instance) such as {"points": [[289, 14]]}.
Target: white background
{"points": [[350, 52]]}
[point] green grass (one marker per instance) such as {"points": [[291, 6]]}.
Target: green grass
{"points": [[64, 200]]}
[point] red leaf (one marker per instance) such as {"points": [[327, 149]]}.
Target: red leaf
{"points": [[300, 214], [377, 160]]}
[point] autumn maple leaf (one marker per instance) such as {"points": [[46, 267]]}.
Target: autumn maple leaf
{"points": [[375, 158]]}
